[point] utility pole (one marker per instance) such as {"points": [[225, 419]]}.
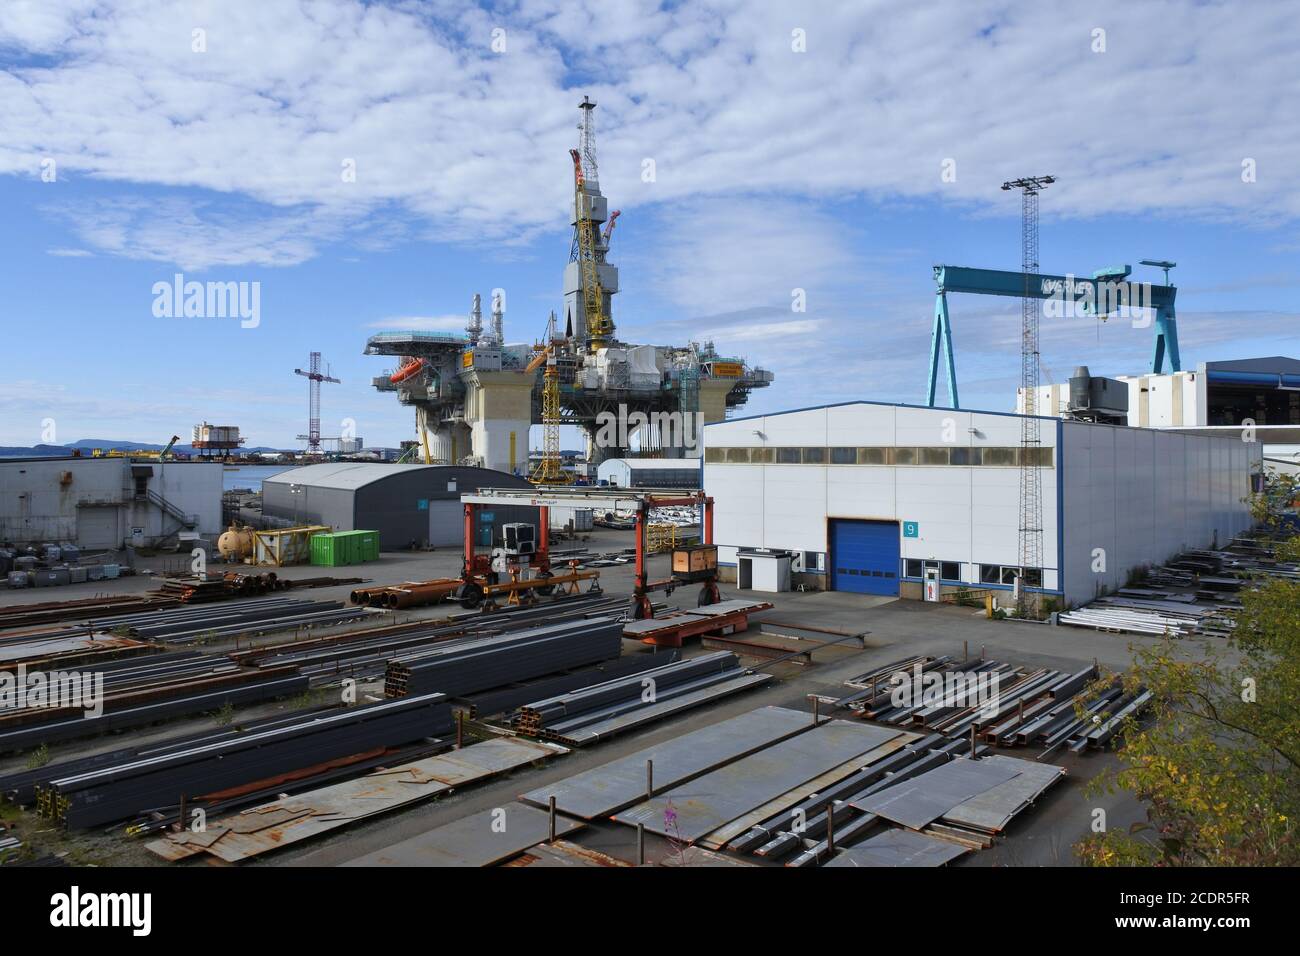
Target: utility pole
{"points": [[1031, 480], [314, 377]]}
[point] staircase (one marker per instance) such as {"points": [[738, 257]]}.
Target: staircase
{"points": [[188, 522]]}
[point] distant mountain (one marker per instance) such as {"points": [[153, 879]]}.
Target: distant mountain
{"points": [[34, 451]]}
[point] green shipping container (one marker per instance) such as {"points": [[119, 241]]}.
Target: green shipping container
{"points": [[344, 547], [367, 545]]}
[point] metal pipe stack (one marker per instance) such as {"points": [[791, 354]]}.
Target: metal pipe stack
{"points": [[408, 594]]}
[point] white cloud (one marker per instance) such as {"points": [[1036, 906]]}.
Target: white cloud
{"points": [[473, 144], [761, 331], [70, 253], [204, 233]]}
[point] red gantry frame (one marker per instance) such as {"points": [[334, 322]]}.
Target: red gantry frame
{"points": [[602, 499]]}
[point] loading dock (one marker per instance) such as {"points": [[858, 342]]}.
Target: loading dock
{"points": [[864, 556]]}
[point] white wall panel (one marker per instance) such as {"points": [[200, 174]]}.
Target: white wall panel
{"points": [[1144, 495], [968, 515]]}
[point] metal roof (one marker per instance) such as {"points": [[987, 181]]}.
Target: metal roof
{"points": [[347, 475], [1272, 365], [692, 464], [863, 401]]}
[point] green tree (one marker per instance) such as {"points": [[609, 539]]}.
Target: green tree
{"points": [[1218, 763]]}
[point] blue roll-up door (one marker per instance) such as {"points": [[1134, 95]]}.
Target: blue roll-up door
{"points": [[864, 556]]}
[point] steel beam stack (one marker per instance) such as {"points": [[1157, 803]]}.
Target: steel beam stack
{"points": [[147, 707], [570, 717], [233, 617], [504, 699], [365, 653], [1025, 707], [141, 690], [471, 665], [51, 612], [102, 795], [19, 788]]}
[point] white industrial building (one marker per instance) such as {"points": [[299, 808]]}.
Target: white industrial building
{"points": [[1254, 399], [107, 503], [649, 472], [869, 497]]}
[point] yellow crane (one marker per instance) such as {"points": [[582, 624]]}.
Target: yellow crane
{"points": [[599, 328], [548, 470]]}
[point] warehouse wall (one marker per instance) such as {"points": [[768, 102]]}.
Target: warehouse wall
{"points": [[37, 504], [1141, 496], [57, 499], [966, 514], [399, 503], [194, 487], [313, 504]]}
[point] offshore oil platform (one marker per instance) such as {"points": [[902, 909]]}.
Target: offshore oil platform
{"points": [[475, 395]]}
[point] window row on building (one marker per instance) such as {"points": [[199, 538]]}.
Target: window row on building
{"points": [[950, 572], [998, 457]]}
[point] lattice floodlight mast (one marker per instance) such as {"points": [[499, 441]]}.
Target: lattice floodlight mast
{"points": [[314, 377], [1031, 479]]}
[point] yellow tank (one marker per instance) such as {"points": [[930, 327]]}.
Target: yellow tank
{"points": [[236, 542]]}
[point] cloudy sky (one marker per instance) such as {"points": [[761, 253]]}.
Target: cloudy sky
{"points": [[373, 164]]}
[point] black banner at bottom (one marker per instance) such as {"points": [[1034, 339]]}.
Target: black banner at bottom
{"points": [[222, 905]]}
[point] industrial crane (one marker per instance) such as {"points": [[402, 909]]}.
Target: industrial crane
{"points": [[314, 377], [548, 470], [609, 226], [599, 328]]}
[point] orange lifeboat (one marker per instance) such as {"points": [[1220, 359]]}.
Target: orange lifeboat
{"points": [[406, 371]]}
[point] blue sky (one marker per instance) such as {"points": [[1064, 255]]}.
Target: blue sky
{"points": [[775, 168]]}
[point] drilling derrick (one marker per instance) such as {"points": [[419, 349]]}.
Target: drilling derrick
{"points": [[472, 405], [596, 330]]}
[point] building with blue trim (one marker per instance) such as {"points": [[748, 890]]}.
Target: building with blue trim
{"points": [[873, 497]]}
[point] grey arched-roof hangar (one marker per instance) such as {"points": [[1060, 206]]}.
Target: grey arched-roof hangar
{"points": [[409, 505]]}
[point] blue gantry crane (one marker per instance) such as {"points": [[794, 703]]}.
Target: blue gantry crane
{"points": [[1101, 295]]}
